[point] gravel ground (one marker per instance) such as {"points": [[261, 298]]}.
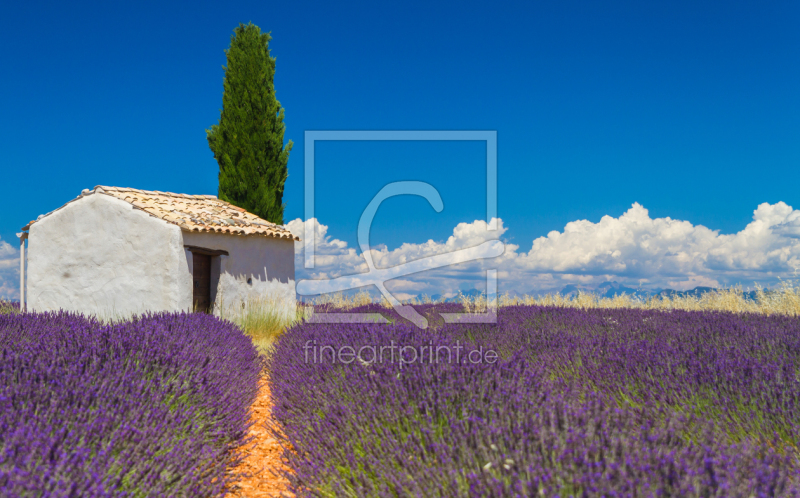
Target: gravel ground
{"points": [[263, 455]]}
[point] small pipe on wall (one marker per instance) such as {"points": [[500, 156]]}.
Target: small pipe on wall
{"points": [[22, 237]]}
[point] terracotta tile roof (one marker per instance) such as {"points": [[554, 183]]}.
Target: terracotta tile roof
{"points": [[194, 213]]}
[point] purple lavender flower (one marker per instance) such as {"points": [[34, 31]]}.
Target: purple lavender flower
{"points": [[151, 407], [580, 403]]}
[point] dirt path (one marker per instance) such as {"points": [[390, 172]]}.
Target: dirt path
{"points": [[263, 455]]}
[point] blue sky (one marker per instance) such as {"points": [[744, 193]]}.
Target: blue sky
{"points": [[690, 109]]}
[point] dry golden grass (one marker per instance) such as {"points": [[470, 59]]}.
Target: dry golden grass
{"points": [[264, 319], [784, 300], [8, 308], [340, 301]]}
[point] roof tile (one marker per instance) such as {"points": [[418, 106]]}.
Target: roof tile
{"points": [[196, 213]]}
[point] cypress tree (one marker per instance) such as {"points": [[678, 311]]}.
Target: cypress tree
{"points": [[248, 141]]}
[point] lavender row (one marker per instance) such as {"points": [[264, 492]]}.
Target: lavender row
{"points": [[150, 407], [577, 403]]}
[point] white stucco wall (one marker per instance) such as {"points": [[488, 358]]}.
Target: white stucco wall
{"points": [[99, 255], [267, 262]]}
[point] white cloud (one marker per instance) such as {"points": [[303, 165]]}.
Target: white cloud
{"points": [[333, 258], [9, 271], [633, 248]]}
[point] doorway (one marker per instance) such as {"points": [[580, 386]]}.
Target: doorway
{"points": [[201, 285]]}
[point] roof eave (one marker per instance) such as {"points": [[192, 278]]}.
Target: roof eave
{"points": [[289, 236]]}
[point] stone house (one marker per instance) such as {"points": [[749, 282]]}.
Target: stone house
{"points": [[122, 251]]}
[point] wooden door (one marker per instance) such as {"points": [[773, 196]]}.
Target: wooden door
{"points": [[202, 282]]}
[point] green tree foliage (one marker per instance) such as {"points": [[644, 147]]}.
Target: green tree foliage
{"points": [[248, 141]]}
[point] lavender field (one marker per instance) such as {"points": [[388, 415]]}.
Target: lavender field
{"points": [[150, 407], [579, 402]]}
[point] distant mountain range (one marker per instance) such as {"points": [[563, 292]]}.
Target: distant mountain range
{"points": [[611, 289], [606, 289]]}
